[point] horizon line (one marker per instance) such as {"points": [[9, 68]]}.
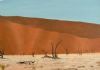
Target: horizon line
{"points": [[70, 20]]}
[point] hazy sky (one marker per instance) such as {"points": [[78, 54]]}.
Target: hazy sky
{"points": [[79, 10]]}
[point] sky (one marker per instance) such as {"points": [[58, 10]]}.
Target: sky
{"points": [[73, 10]]}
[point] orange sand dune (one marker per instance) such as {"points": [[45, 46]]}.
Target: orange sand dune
{"points": [[22, 35]]}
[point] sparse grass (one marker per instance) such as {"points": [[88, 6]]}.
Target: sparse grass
{"points": [[26, 62], [46, 57], [2, 67], [71, 69], [50, 57], [81, 66], [57, 69], [91, 66], [65, 69], [98, 63]]}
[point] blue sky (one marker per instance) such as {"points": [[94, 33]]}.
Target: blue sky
{"points": [[75, 10]]}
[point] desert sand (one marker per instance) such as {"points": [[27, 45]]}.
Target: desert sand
{"points": [[25, 35], [88, 61]]}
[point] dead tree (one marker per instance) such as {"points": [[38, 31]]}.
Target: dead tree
{"points": [[54, 49], [1, 54], [45, 53], [66, 50], [33, 54], [79, 51]]}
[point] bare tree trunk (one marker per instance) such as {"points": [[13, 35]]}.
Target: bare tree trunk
{"points": [[1, 53], [33, 54], [55, 49], [45, 54], [55, 53], [66, 51], [52, 50]]}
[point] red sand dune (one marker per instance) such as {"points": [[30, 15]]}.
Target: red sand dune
{"points": [[22, 35]]}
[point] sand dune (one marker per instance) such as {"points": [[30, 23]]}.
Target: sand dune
{"points": [[23, 35]]}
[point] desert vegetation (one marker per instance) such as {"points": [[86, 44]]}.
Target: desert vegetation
{"points": [[54, 49], [33, 54], [1, 54], [2, 67]]}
